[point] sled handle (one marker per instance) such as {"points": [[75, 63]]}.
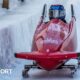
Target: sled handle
{"points": [[72, 10], [44, 11]]}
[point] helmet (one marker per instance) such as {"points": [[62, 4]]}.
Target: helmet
{"points": [[57, 11]]}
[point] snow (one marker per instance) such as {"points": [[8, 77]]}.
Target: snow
{"points": [[72, 62], [17, 26], [16, 34]]}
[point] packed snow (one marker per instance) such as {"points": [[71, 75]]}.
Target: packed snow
{"points": [[17, 26]]}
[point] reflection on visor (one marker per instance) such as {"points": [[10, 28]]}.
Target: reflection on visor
{"points": [[55, 13]]}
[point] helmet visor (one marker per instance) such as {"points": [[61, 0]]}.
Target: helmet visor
{"points": [[57, 13]]}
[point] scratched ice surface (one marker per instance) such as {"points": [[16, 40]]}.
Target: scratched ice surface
{"points": [[16, 30]]}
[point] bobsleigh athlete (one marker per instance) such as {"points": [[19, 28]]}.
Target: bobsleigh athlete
{"points": [[54, 42]]}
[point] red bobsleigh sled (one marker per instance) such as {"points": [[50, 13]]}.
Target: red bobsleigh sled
{"points": [[54, 43]]}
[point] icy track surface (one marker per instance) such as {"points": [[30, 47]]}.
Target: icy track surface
{"points": [[17, 27]]}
